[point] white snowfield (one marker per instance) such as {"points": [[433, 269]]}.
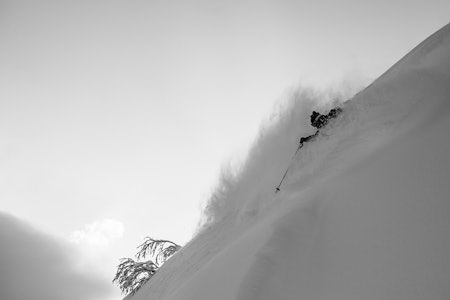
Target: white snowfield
{"points": [[363, 214]]}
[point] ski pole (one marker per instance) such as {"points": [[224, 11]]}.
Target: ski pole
{"points": [[287, 170]]}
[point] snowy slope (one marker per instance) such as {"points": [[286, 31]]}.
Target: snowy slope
{"points": [[364, 212]]}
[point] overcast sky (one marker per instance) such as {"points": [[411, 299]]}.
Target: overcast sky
{"points": [[116, 116]]}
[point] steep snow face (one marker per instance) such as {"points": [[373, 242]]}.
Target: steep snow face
{"points": [[364, 212]]}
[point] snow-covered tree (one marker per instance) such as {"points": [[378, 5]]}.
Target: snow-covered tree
{"points": [[131, 275]]}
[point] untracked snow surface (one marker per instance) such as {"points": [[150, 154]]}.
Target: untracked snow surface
{"points": [[363, 214]]}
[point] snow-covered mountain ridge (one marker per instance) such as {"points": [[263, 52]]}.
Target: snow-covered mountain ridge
{"points": [[364, 212]]}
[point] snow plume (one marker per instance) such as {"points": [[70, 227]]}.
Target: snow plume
{"points": [[36, 266], [244, 191], [409, 97]]}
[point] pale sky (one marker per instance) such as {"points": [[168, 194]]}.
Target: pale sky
{"points": [[116, 116]]}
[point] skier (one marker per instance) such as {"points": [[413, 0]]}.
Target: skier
{"points": [[319, 121]]}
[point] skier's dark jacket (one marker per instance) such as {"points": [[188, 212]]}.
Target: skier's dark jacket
{"points": [[319, 121]]}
